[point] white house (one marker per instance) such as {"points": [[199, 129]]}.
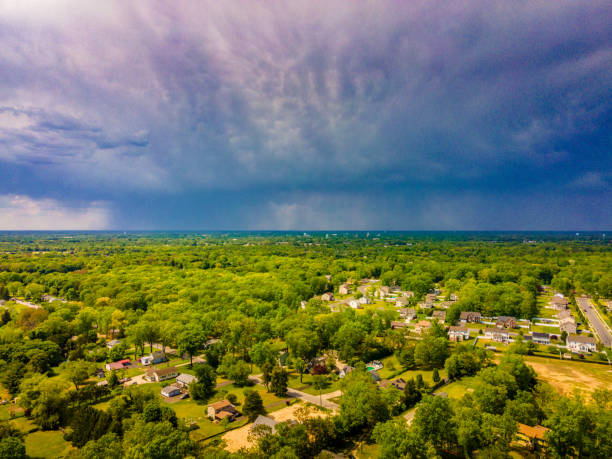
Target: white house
{"points": [[344, 289], [184, 379], [171, 391], [458, 333], [578, 343], [355, 304], [497, 334], [540, 338]]}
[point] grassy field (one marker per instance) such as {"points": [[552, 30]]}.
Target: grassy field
{"points": [[459, 388], [49, 444], [565, 375], [307, 382], [393, 370]]}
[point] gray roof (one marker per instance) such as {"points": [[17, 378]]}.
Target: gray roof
{"points": [[266, 421], [186, 378]]}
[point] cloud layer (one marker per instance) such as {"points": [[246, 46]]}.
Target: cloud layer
{"points": [[311, 114]]}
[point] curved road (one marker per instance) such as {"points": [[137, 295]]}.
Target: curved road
{"points": [[595, 321]]}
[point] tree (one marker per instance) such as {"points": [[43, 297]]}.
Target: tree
{"points": [[5, 318], [435, 376], [106, 447], [319, 383], [12, 448], [278, 381], [396, 440], [12, 375], [434, 422], [190, 341], [303, 346], [204, 387], [412, 395], [361, 405], [253, 404], [77, 371], [112, 379], [431, 352], [88, 424], [266, 373]]}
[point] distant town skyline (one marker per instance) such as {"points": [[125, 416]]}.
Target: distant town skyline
{"points": [[387, 115]]}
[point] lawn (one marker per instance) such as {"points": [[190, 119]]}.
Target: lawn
{"points": [[49, 444], [565, 375], [457, 389], [393, 370], [307, 382]]}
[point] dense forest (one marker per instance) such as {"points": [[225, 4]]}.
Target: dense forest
{"points": [[234, 302]]}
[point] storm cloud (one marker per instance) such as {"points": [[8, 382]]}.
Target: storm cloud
{"points": [[310, 114]]}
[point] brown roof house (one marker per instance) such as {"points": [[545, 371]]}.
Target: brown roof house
{"points": [[422, 326], [344, 289], [327, 297], [439, 315], [162, 374], [568, 325], [458, 333], [222, 410], [505, 322], [559, 302], [407, 313], [470, 316], [532, 437]]}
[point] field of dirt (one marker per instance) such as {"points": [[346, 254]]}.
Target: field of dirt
{"points": [[565, 375], [238, 438]]}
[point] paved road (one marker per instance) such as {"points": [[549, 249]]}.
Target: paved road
{"points": [[595, 321], [314, 399]]}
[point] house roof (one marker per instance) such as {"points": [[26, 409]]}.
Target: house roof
{"points": [[466, 314], [224, 414], [498, 331], [186, 378], [540, 335], [266, 421], [162, 371], [581, 339], [169, 389], [221, 404], [533, 432], [564, 314], [458, 329]]}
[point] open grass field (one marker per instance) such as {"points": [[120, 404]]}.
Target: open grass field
{"points": [[49, 444], [458, 388], [307, 384], [393, 370], [566, 375]]}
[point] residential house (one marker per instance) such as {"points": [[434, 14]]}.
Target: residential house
{"points": [[505, 322], [446, 304], [119, 365], [439, 316], [564, 313], [430, 298], [395, 289], [171, 391], [497, 334], [399, 384], [365, 300], [470, 317], [453, 297], [422, 327], [396, 324], [327, 297], [402, 301], [532, 437], [266, 421], [111, 344], [408, 314], [163, 374], [222, 410], [344, 289], [408, 294], [153, 358], [184, 379], [355, 304], [579, 343], [345, 370], [559, 302], [458, 333], [383, 292], [568, 325], [426, 305], [540, 338]]}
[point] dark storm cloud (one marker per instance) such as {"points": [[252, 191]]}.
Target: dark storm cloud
{"points": [[312, 114]]}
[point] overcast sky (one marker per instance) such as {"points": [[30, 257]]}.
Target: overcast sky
{"points": [[306, 115]]}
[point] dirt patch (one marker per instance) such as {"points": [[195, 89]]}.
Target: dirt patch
{"points": [[238, 438], [567, 376]]}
